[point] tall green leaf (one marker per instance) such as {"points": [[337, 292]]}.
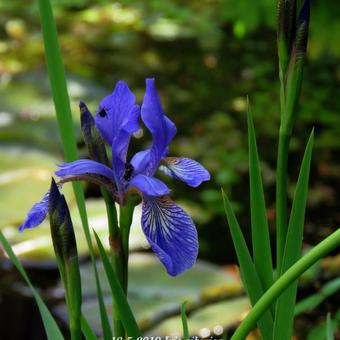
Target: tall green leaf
{"points": [[125, 313], [63, 111], [249, 276], [259, 225], [107, 332], [285, 305], [86, 329], [283, 282], [61, 98], [51, 328], [311, 302]]}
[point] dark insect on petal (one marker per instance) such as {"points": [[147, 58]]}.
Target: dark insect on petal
{"points": [[128, 171], [102, 113]]}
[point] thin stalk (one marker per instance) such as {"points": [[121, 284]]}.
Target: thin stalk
{"points": [[186, 334], [117, 256], [125, 221], [283, 282], [281, 195], [75, 333]]}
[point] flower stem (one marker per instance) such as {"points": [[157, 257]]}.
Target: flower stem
{"points": [[125, 221], [117, 255], [293, 273], [75, 333], [281, 195]]}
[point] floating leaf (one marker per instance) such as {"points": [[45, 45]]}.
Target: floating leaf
{"points": [[153, 294]]}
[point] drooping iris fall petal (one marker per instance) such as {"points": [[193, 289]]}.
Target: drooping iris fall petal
{"points": [[185, 169], [171, 233], [84, 167], [150, 186]]}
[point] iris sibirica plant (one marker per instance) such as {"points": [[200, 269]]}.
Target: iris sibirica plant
{"points": [[167, 227], [127, 181], [169, 230]]}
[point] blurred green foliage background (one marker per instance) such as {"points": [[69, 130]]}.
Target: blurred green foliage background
{"points": [[207, 56]]}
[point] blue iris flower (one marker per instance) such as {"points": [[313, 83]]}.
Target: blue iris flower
{"points": [[168, 228]]}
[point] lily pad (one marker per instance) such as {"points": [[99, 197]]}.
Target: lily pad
{"points": [[210, 320], [25, 176], [155, 296], [36, 245]]}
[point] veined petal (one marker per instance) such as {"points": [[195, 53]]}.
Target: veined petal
{"points": [[160, 126], [150, 186], [115, 112], [37, 214], [84, 167], [171, 233], [185, 169]]}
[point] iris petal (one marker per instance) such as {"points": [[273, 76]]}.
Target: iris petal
{"points": [[117, 118], [140, 161], [37, 214], [115, 112], [84, 167], [171, 233], [121, 142], [160, 126], [185, 169], [150, 186]]}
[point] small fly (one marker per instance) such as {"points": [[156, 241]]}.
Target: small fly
{"points": [[128, 171]]}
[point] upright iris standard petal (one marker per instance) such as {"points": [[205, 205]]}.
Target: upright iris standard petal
{"points": [[121, 142], [150, 186], [185, 169], [171, 233], [115, 112], [117, 118], [84, 167], [160, 126], [37, 214]]}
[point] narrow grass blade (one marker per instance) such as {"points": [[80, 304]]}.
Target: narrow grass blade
{"points": [[107, 332], [329, 328], [313, 301], [249, 276], [60, 97], [259, 225], [57, 79], [66, 128], [186, 334], [51, 328], [125, 313], [86, 329], [283, 282], [284, 313]]}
